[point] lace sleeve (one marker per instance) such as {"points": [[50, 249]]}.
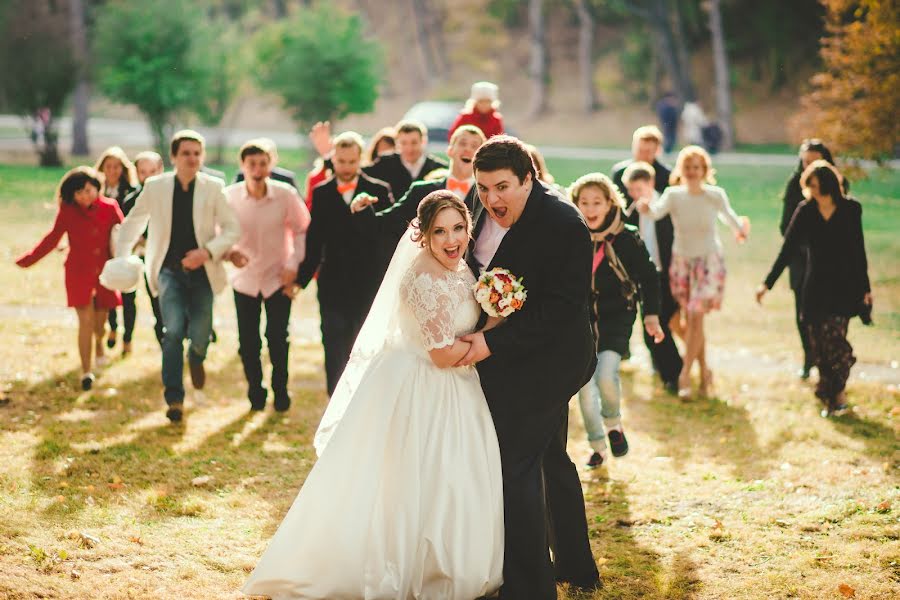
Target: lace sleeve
{"points": [[431, 301]]}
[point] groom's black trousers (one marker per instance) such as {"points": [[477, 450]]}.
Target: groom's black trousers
{"points": [[533, 455]]}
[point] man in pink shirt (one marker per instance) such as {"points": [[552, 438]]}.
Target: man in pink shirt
{"points": [[273, 223]]}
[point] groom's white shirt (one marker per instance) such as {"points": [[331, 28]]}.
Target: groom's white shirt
{"points": [[488, 241]]}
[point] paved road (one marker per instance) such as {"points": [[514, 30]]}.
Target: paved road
{"points": [[104, 132]]}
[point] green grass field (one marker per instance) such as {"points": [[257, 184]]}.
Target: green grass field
{"points": [[747, 495]]}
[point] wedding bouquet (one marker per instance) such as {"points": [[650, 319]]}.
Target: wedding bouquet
{"points": [[499, 293]]}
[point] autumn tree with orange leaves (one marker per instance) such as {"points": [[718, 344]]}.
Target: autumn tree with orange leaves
{"points": [[855, 99]]}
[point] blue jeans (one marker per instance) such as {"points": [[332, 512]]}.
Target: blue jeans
{"points": [[186, 302], [601, 398]]}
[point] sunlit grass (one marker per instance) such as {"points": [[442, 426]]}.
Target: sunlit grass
{"points": [[749, 495]]}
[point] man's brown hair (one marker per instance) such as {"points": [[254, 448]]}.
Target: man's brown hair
{"points": [[186, 135], [255, 147], [505, 152], [411, 127], [637, 171]]}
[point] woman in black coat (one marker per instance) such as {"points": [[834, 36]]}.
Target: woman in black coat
{"points": [[811, 149], [827, 228]]}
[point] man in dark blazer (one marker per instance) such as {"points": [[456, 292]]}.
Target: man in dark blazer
{"points": [[391, 222], [349, 272], [532, 364], [645, 147], [409, 163], [276, 172]]}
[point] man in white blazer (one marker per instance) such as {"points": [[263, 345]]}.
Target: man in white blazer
{"points": [[190, 226]]}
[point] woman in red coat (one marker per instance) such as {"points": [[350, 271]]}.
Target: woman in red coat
{"points": [[88, 220], [481, 110]]}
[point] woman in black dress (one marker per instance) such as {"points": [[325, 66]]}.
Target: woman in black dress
{"points": [[827, 228], [811, 149]]}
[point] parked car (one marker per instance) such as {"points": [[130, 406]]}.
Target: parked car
{"points": [[437, 116]]}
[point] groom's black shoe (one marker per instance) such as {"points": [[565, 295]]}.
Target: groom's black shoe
{"points": [[617, 443], [282, 401]]}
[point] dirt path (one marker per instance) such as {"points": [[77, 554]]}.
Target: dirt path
{"points": [[306, 330]]}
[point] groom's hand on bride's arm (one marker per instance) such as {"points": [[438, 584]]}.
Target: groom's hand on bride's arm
{"points": [[477, 352]]}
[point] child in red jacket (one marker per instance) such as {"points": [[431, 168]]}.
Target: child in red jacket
{"points": [[88, 220], [481, 110]]}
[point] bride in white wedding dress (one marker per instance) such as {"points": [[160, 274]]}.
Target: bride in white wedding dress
{"points": [[405, 500]]}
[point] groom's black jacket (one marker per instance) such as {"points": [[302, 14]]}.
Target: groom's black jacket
{"points": [[544, 353]]}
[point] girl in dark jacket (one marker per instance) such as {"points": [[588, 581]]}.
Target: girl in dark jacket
{"points": [[810, 150], [624, 275], [835, 284]]}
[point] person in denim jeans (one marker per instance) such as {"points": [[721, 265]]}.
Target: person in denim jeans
{"points": [[623, 275], [190, 227]]}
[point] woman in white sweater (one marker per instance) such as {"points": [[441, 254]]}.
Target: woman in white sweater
{"points": [[697, 273]]}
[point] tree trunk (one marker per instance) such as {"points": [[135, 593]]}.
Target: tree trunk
{"points": [[158, 127], [586, 55], [538, 68], [82, 94], [49, 152], [420, 25], [681, 49], [724, 109], [669, 55]]}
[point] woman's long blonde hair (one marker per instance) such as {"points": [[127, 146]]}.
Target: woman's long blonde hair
{"points": [[128, 170], [693, 152]]}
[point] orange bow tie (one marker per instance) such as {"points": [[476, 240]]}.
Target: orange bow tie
{"points": [[456, 185], [343, 188]]}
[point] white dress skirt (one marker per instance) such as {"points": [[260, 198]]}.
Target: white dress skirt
{"points": [[405, 500]]}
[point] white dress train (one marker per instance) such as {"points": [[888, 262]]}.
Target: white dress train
{"points": [[405, 500]]}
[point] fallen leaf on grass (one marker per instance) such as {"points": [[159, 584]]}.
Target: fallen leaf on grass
{"points": [[884, 507], [846, 591], [781, 523], [718, 532], [116, 486], [84, 539]]}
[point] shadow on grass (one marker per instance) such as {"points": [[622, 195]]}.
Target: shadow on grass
{"points": [[880, 440], [630, 570], [702, 430], [114, 445]]}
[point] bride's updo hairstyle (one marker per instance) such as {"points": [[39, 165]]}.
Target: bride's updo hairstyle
{"points": [[428, 211]]}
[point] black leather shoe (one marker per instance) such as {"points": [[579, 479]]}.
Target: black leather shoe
{"points": [[595, 461], [87, 382], [175, 412], [198, 374], [282, 402], [617, 443]]}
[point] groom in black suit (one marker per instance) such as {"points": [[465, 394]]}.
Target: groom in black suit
{"points": [[532, 365]]}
